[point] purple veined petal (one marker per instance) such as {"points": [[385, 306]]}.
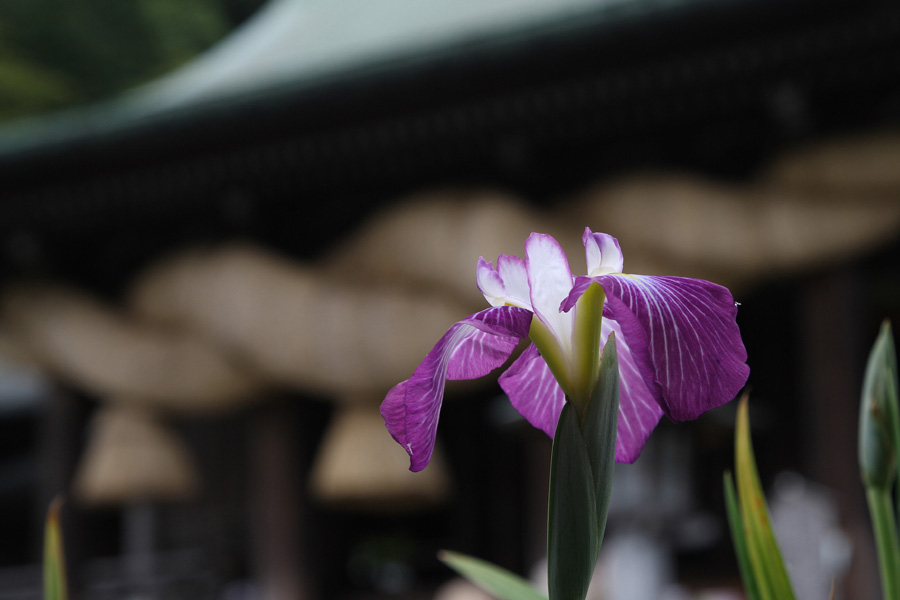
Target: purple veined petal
{"points": [[603, 254], [689, 330], [639, 412], [471, 348], [536, 395], [505, 285], [486, 340], [550, 281], [533, 391]]}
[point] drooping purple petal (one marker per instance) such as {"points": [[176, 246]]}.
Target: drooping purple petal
{"points": [[485, 340], [688, 327], [471, 348], [533, 391], [638, 410]]}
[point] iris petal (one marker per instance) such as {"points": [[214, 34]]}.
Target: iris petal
{"points": [[471, 348], [536, 395], [490, 283], [515, 278], [505, 285], [602, 252], [550, 280], [639, 412], [533, 391], [688, 330]]}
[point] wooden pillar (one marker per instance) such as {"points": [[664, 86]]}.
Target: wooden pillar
{"points": [[833, 353], [276, 505]]}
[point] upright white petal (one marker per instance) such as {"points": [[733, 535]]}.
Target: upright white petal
{"points": [[550, 281], [603, 254], [507, 285]]}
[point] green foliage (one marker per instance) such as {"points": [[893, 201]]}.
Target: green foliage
{"points": [[879, 425], [56, 53], [762, 568], [736, 524], [572, 540], [491, 578], [879, 441], [54, 557], [581, 470], [29, 88]]}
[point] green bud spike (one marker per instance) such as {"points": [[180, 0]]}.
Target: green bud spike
{"points": [[588, 320], [878, 419], [581, 471], [879, 441], [577, 368]]}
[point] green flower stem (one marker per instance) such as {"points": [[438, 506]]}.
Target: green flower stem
{"points": [[581, 472], [881, 509]]}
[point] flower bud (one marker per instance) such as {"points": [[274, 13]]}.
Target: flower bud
{"points": [[878, 415]]}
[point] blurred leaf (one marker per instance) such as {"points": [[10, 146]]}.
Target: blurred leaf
{"points": [[54, 558], [491, 578], [879, 425], [27, 88], [581, 469], [879, 441], [69, 53], [771, 578], [884, 525], [736, 525], [180, 30]]}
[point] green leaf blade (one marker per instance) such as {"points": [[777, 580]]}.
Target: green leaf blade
{"points": [[572, 544], [765, 556], [581, 471], [54, 558], [736, 525], [493, 579], [600, 426]]}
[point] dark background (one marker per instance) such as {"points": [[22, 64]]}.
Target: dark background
{"points": [[713, 87]]}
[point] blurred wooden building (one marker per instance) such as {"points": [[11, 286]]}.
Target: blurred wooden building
{"points": [[750, 141]]}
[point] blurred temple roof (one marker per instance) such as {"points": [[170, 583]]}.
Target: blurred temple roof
{"points": [[295, 45], [313, 114]]}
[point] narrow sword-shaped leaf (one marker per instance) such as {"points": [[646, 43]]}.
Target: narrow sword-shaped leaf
{"points": [[765, 557], [572, 544], [884, 524], [493, 579], [599, 427], [581, 469], [54, 557], [736, 525]]}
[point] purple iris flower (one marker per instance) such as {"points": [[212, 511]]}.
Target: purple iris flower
{"points": [[679, 348]]}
